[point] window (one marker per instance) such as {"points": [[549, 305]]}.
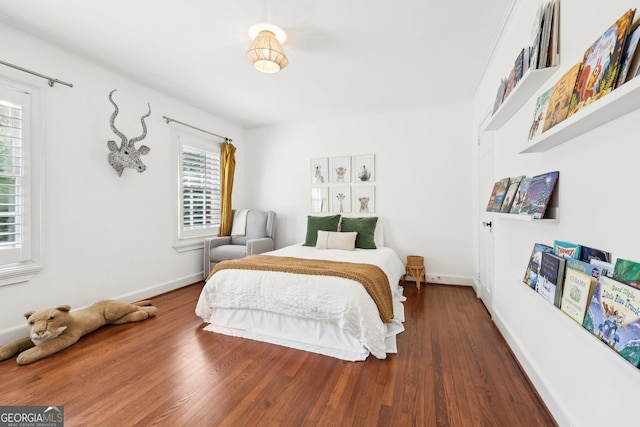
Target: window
{"points": [[199, 178], [20, 186]]}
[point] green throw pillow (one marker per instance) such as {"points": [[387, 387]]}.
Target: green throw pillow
{"points": [[365, 226], [324, 223]]}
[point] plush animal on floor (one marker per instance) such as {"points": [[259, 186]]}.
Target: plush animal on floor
{"points": [[56, 328]]}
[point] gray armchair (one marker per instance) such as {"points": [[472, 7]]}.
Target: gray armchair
{"points": [[258, 238]]}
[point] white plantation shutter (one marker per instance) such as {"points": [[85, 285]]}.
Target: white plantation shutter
{"points": [[200, 187], [20, 182], [11, 175]]}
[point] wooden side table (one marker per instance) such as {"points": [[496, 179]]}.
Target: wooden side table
{"points": [[415, 268]]}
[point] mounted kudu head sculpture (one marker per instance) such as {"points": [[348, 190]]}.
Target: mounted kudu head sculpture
{"points": [[127, 155]]}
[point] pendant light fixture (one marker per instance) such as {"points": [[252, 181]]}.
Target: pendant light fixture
{"points": [[266, 53]]}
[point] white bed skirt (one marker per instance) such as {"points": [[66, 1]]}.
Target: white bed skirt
{"points": [[321, 337]]}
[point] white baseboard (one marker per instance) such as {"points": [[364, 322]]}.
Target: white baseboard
{"points": [[19, 331], [537, 377], [160, 289], [448, 280]]}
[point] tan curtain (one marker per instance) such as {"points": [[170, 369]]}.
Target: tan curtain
{"points": [[227, 168]]}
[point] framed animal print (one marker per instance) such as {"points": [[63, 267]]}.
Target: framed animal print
{"points": [[364, 199], [320, 171], [364, 168], [341, 170], [341, 199]]}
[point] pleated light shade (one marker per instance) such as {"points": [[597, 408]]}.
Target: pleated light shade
{"points": [[266, 53]]}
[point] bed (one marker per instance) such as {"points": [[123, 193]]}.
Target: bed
{"points": [[333, 316]]}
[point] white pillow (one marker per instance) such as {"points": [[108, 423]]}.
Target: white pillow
{"points": [[336, 240]]}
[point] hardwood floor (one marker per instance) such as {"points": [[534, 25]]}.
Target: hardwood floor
{"points": [[453, 369]]}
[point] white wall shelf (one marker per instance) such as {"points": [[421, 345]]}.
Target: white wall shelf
{"points": [[550, 215], [621, 101], [524, 90]]}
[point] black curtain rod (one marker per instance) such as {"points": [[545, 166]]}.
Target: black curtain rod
{"points": [[168, 119], [51, 80]]}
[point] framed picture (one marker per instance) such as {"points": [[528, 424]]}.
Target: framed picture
{"points": [[341, 199], [320, 171], [341, 170], [364, 168], [364, 200], [319, 199]]}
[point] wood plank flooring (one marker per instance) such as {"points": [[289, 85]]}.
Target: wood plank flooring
{"points": [[453, 368]]}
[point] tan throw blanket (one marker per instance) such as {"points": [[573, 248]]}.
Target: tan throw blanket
{"points": [[371, 276]]}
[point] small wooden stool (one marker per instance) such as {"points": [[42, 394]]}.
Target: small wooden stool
{"points": [[415, 268]]}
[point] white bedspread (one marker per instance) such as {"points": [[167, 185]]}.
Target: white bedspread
{"points": [[341, 301]]}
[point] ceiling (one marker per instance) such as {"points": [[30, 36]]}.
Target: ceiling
{"points": [[346, 57]]}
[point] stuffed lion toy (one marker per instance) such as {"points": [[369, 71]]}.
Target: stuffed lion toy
{"points": [[56, 328]]}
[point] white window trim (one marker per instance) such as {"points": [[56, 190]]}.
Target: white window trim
{"points": [[29, 267], [187, 243]]}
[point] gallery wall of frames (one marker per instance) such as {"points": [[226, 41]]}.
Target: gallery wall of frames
{"points": [[343, 184]]}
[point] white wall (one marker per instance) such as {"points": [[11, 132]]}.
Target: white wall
{"points": [[583, 382], [105, 236], [423, 164]]}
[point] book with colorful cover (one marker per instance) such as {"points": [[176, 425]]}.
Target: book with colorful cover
{"points": [[587, 254], [521, 194], [550, 278], [540, 190], [601, 64], [627, 271], [560, 98], [613, 316], [539, 114], [499, 96], [531, 274], [629, 63], [577, 293], [510, 85], [545, 36], [518, 67], [493, 196], [510, 195], [566, 249], [502, 190], [606, 268], [584, 267]]}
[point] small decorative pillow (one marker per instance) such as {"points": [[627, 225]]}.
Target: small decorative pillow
{"points": [[315, 223], [336, 240]]}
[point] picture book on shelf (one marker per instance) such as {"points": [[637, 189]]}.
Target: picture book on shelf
{"points": [[613, 316], [536, 31], [540, 190], [566, 249], [531, 274], [583, 267], [627, 271], [539, 114], [502, 191], [545, 36], [630, 55], [550, 278], [500, 95], [518, 67], [601, 64], [606, 268], [560, 98], [511, 84], [518, 202], [493, 196], [510, 195], [587, 254], [577, 293]]}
